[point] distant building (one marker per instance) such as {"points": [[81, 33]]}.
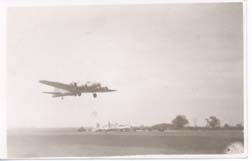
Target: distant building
{"points": [[81, 129], [162, 127]]}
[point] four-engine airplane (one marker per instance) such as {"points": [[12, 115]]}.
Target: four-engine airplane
{"points": [[74, 90]]}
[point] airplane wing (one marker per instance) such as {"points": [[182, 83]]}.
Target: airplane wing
{"points": [[59, 94], [105, 90], [64, 94], [58, 85]]}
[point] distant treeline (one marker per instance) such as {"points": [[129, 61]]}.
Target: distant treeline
{"points": [[180, 122]]}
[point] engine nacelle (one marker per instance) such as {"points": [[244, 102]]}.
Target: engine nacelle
{"points": [[74, 84]]}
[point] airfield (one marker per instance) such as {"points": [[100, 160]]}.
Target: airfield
{"points": [[71, 143]]}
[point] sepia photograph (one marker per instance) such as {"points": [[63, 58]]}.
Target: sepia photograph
{"points": [[118, 81]]}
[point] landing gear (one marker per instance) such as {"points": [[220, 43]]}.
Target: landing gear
{"points": [[94, 95]]}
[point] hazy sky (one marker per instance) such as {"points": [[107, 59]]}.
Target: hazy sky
{"points": [[164, 60]]}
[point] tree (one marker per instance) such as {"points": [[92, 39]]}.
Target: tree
{"points": [[180, 121], [213, 122]]}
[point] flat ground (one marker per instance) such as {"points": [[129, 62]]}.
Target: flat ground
{"points": [[69, 143]]}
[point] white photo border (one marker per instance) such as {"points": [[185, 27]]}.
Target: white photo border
{"points": [[4, 5]]}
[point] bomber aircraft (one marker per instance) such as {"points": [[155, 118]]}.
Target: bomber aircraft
{"points": [[73, 89]]}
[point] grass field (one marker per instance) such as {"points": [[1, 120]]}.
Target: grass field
{"points": [[69, 143]]}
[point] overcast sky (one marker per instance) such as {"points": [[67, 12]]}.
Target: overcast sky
{"points": [[164, 60]]}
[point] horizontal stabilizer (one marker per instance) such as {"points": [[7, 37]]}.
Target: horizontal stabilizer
{"points": [[52, 93], [64, 94]]}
